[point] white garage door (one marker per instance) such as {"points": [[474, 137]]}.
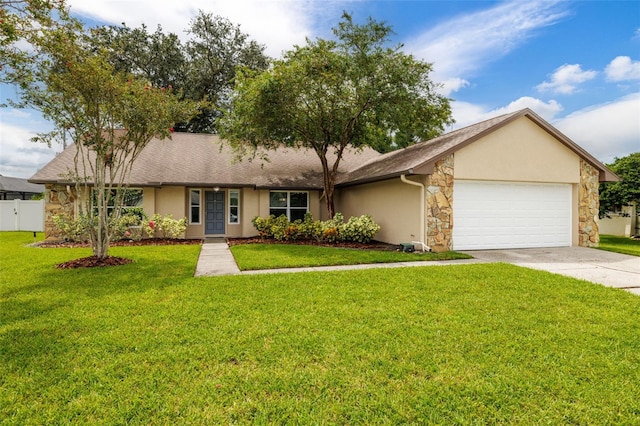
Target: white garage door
{"points": [[492, 215]]}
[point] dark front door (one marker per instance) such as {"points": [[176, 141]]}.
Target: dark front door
{"points": [[214, 210]]}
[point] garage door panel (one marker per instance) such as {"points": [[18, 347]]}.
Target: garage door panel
{"points": [[511, 215]]}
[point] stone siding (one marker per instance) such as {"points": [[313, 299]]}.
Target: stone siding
{"points": [[439, 208], [589, 204], [57, 201]]}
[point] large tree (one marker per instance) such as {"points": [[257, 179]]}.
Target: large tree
{"points": [[328, 95], [109, 115], [157, 57], [216, 49], [203, 67], [615, 195]]}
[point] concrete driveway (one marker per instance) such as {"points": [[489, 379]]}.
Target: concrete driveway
{"points": [[598, 266]]}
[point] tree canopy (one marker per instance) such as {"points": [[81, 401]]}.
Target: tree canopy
{"points": [[351, 91], [615, 195], [203, 67], [20, 21]]}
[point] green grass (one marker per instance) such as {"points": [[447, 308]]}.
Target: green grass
{"points": [[617, 244], [147, 343], [272, 256]]}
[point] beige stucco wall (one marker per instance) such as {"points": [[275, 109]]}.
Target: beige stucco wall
{"points": [[149, 201], [392, 204], [171, 200], [249, 208], [521, 151]]}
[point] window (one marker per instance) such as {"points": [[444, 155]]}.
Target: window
{"points": [[131, 201], [234, 206], [194, 206], [289, 203]]}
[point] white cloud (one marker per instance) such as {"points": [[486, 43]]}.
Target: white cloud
{"points": [[278, 24], [462, 45], [608, 130], [623, 68], [466, 113], [21, 157], [566, 78], [452, 85]]}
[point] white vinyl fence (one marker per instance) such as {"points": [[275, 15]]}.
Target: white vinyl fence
{"points": [[22, 215]]}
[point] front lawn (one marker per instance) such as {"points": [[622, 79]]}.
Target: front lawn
{"points": [[617, 244], [271, 256], [147, 343]]}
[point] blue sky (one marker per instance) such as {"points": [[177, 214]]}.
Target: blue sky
{"points": [[576, 63]]}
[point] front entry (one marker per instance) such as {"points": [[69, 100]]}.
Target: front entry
{"points": [[214, 211]]}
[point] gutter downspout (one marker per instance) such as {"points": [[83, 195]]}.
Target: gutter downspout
{"points": [[404, 179]]}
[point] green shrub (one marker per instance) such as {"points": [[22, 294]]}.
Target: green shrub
{"points": [[357, 229], [263, 226], [310, 229], [165, 226], [129, 227], [72, 229], [279, 227]]}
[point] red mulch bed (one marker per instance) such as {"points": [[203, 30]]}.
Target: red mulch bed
{"points": [[373, 245], [94, 262]]}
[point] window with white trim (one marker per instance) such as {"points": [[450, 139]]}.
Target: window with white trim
{"points": [[234, 206], [293, 204], [195, 207], [131, 199]]}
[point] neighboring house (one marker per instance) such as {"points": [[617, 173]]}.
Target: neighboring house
{"points": [[511, 181], [12, 188]]}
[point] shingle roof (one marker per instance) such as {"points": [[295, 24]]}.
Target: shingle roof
{"points": [[202, 159], [420, 157], [12, 184]]}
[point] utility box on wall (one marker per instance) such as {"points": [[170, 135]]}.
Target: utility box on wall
{"points": [[406, 247]]}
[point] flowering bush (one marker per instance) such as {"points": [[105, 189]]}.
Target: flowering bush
{"points": [[129, 226], [357, 229], [165, 226], [71, 229], [133, 225]]}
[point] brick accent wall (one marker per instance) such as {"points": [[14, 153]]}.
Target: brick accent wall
{"points": [[439, 208], [57, 201], [589, 205]]}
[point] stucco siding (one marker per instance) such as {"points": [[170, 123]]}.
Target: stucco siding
{"points": [[149, 201], [171, 200], [249, 208], [521, 151], [394, 205]]}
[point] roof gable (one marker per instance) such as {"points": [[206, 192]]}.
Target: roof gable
{"points": [[421, 157]]}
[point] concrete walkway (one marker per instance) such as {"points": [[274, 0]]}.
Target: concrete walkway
{"points": [[602, 267], [216, 259]]}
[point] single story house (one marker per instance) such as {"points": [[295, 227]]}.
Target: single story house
{"points": [[513, 181], [12, 188]]}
